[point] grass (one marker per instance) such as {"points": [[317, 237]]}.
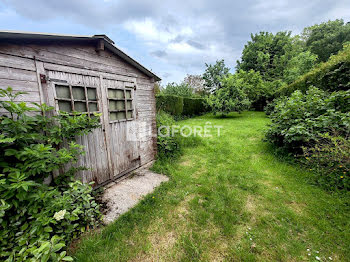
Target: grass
{"points": [[228, 199]]}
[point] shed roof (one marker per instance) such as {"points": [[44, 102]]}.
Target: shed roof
{"points": [[108, 43]]}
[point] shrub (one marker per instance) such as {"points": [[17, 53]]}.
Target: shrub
{"points": [[301, 118], [170, 104], [333, 75], [37, 220], [330, 159], [193, 106], [168, 145]]}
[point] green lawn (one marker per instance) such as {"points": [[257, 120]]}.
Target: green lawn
{"points": [[228, 199]]}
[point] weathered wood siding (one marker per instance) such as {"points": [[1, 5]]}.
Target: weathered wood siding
{"points": [[20, 66]]}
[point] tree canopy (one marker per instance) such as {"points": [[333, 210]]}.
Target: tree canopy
{"points": [[267, 53], [327, 38], [213, 75]]}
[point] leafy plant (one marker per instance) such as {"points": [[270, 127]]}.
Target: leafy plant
{"points": [[301, 118], [168, 144], [37, 219]]}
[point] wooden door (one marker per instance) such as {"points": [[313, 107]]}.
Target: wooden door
{"points": [[121, 125], [113, 149], [75, 92]]}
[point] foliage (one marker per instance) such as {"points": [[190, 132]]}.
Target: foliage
{"points": [[38, 219], [327, 38], [213, 75], [156, 88], [332, 75], [257, 90], [168, 145], [301, 118], [193, 106], [174, 89], [231, 97], [298, 66], [268, 54], [180, 106], [329, 158], [170, 104]]}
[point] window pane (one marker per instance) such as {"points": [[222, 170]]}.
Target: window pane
{"points": [[116, 105], [78, 93], [128, 93], [62, 92], [92, 94], [115, 93], [117, 116], [129, 114], [129, 104], [93, 107], [80, 106], [65, 106]]}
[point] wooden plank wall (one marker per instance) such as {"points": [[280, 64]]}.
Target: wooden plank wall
{"points": [[18, 70]]}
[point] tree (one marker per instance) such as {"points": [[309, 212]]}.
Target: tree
{"points": [[196, 82], [257, 90], [298, 66], [267, 53], [230, 97], [213, 75], [175, 89], [327, 38]]}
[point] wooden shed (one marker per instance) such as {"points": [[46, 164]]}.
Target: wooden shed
{"points": [[87, 74]]}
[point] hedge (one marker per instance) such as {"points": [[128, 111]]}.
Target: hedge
{"points": [[193, 106], [333, 75], [177, 106], [170, 104]]}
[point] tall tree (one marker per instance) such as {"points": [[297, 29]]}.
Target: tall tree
{"points": [[213, 75], [267, 53], [327, 38]]}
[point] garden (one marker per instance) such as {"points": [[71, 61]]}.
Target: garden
{"points": [[272, 185]]}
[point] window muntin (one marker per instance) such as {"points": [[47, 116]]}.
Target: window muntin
{"points": [[77, 98], [120, 104]]}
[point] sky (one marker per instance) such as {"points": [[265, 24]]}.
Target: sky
{"points": [[171, 38]]}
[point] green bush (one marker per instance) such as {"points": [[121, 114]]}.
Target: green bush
{"points": [[170, 104], [329, 158], [333, 75], [302, 118], [193, 106], [168, 145], [37, 220]]}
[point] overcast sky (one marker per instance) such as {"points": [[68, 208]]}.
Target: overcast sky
{"points": [[172, 38]]}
